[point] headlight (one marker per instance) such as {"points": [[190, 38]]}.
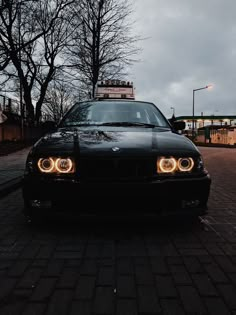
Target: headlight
{"points": [[46, 165], [185, 164], [56, 165], [167, 165], [63, 165], [171, 164]]}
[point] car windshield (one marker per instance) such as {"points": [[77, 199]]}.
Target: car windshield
{"points": [[117, 113]]}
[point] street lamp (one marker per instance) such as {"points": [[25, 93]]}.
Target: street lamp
{"points": [[193, 123], [173, 110]]}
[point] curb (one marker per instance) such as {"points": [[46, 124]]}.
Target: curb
{"points": [[10, 186], [214, 145]]}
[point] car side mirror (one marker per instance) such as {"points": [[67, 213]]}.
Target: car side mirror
{"points": [[179, 125]]}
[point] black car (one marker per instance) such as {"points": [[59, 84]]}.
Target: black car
{"points": [[107, 154]]}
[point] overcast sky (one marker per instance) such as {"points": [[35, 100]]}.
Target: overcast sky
{"points": [[190, 44]]}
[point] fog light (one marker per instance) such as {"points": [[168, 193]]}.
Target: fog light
{"points": [[190, 203], [40, 203]]}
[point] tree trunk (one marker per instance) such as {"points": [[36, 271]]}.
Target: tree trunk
{"points": [[29, 108]]}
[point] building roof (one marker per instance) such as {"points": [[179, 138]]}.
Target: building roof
{"points": [[209, 117], [216, 127]]}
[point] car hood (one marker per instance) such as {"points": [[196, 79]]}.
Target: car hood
{"points": [[114, 141]]}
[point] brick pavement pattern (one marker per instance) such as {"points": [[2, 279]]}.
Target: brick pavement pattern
{"points": [[123, 268], [13, 165], [11, 170]]}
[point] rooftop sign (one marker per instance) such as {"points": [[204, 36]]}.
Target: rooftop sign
{"points": [[115, 89]]}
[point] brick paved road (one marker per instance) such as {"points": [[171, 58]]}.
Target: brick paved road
{"points": [[123, 269]]}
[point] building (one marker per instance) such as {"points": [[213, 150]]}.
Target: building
{"points": [[211, 129]]}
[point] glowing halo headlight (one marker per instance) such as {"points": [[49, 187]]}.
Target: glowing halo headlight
{"points": [[56, 165], [185, 164], [167, 165], [63, 165], [46, 165]]}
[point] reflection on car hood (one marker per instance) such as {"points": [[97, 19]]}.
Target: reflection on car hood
{"points": [[126, 141]]}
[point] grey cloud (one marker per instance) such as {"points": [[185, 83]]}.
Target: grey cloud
{"points": [[189, 44]]}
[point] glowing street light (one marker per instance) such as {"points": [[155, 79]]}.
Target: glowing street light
{"points": [[193, 122]]}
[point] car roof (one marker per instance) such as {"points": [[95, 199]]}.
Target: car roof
{"points": [[117, 100]]}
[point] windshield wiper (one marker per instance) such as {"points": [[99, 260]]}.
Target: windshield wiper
{"points": [[82, 124], [128, 124]]}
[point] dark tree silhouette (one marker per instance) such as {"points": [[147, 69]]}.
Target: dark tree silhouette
{"points": [[58, 100], [33, 34], [103, 46]]}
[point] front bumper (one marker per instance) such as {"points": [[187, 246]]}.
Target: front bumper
{"points": [[165, 196]]}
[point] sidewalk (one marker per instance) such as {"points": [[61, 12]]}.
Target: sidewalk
{"points": [[11, 170]]}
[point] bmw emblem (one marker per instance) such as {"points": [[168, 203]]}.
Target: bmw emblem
{"points": [[115, 149]]}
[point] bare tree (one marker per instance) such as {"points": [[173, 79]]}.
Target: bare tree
{"points": [[33, 34], [103, 46], [59, 98]]}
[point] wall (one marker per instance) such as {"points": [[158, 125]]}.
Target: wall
{"points": [[10, 132], [221, 136]]}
